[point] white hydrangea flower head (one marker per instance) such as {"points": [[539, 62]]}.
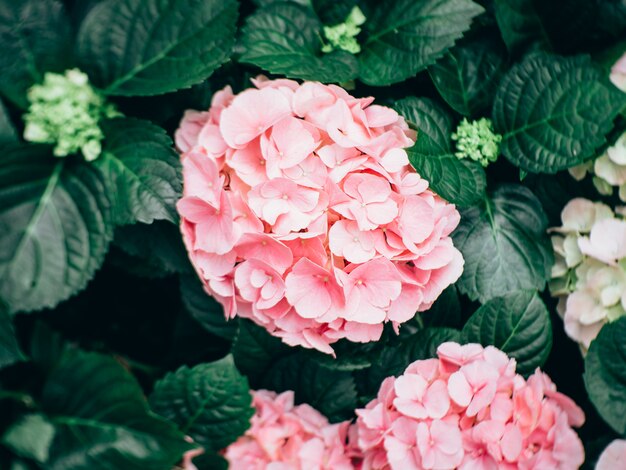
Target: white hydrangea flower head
{"points": [[589, 272]]}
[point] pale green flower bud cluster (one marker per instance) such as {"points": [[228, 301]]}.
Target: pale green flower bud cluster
{"points": [[65, 111], [608, 170], [591, 288], [343, 36], [477, 141]]}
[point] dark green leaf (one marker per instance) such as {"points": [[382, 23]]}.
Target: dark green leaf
{"points": [[605, 374], [205, 309], [255, 350], [467, 75], [35, 38], [102, 419], [7, 131], [332, 392], [504, 244], [46, 346], [554, 112], [446, 311], [30, 437], [333, 12], [459, 181], [286, 38], [55, 227], [149, 47], [405, 36], [519, 23], [517, 323], [141, 170], [158, 245], [10, 352], [211, 403]]}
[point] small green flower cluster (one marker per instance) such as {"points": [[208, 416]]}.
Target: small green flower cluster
{"points": [[477, 140], [343, 36], [65, 111]]}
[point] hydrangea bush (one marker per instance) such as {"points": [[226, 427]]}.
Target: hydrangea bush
{"points": [[312, 234]]}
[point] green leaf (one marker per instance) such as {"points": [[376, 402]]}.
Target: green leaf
{"points": [[10, 352], [332, 392], [605, 374], [286, 38], [459, 181], [141, 170], [504, 244], [8, 133], [211, 403], [205, 309], [30, 437], [396, 358], [35, 37], [467, 75], [102, 419], [255, 350], [158, 245], [519, 24], [333, 12], [405, 36], [150, 47], [517, 323], [445, 312], [554, 112], [55, 227]]}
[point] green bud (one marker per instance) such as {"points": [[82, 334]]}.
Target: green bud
{"points": [[477, 141], [343, 36], [66, 111]]}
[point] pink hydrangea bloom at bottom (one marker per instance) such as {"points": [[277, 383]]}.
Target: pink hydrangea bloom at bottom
{"points": [[468, 409], [613, 457], [287, 437]]}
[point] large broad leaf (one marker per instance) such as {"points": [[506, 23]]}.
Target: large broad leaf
{"points": [[149, 47], [142, 171], [467, 75], [332, 392], [406, 36], [554, 112], [8, 134], [459, 181], [205, 309], [30, 437], [211, 403], [605, 374], [517, 323], [35, 38], [504, 244], [157, 246], [10, 352], [102, 418], [286, 38], [55, 227], [255, 351], [519, 24]]}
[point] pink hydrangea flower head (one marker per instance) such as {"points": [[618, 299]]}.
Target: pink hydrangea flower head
{"points": [[284, 436], [300, 211], [468, 409]]}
